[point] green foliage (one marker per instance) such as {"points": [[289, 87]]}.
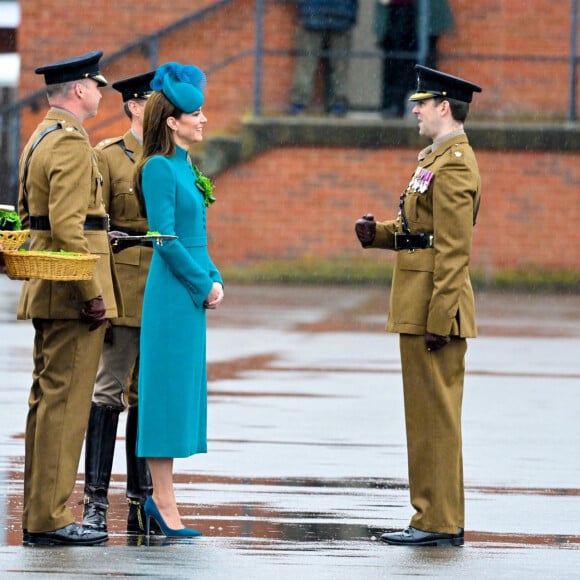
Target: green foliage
{"points": [[529, 280], [205, 185], [51, 253], [10, 220], [351, 271], [311, 270]]}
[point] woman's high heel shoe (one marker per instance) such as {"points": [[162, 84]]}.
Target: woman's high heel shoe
{"points": [[151, 511]]}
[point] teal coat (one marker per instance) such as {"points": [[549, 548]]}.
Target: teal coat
{"points": [[172, 373]]}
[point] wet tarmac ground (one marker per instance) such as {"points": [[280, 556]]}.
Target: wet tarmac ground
{"points": [[307, 460]]}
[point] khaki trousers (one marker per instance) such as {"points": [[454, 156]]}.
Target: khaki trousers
{"points": [[313, 42], [119, 369], [433, 394], [66, 355]]}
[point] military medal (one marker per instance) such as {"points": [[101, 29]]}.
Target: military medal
{"points": [[421, 180]]}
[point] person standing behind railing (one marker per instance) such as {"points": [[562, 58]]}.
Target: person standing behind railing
{"points": [[397, 29], [324, 25]]}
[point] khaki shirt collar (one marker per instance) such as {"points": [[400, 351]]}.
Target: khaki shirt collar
{"points": [[438, 142], [66, 118]]}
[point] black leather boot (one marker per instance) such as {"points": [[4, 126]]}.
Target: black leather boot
{"points": [[139, 486], [99, 450]]}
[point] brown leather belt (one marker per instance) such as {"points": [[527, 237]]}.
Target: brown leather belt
{"points": [[413, 241], [41, 222]]}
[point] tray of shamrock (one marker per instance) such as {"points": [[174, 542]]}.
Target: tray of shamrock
{"points": [[148, 237]]}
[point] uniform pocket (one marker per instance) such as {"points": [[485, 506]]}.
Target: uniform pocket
{"points": [[412, 289], [129, 257], [124, 202], [416, 260]]}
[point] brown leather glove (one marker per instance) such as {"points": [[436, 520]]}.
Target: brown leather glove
{"points": [[366, 229], [436, 341], [93, 312]]}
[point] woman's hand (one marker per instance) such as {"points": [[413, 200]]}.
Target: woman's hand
{"points": [[215, 297]]}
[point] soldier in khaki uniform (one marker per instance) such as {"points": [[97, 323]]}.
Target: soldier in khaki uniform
{"points": [[119, 360], [432, 304], [60, 201]]}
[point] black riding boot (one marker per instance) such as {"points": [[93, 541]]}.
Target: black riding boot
{"points": [[139, 486], [99, 450]]}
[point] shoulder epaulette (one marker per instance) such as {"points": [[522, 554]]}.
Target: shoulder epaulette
{"points": [[108, 142], [67, 126]]}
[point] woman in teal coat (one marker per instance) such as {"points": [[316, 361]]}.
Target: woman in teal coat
{"points": [[182, 283]]}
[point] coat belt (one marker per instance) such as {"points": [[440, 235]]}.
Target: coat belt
{"points": [[419, 241]]}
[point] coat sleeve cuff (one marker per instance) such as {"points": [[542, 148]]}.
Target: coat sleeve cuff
{"points": [[384, 236]]}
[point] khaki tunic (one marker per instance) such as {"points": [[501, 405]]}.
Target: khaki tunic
{"points": [[431, 292], [64, 184], [116, 158], [431, 289], [119, 364]]}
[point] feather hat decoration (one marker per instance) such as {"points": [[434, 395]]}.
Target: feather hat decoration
{"points": [[182, 84]]}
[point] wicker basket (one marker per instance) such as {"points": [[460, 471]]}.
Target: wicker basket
{"points": [[12, 240], [49, 266]]}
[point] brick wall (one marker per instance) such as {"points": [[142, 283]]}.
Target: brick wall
{"points": [[268, 205], [512, 29], [510, 32], [226, 35], [296, 202]]}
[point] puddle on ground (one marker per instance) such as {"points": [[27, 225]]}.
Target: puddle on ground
{"points": [[254, 524]]}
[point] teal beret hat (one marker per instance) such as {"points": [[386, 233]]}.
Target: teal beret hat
{"points": [[183, 85]]}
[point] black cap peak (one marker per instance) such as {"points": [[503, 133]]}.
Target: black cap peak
{"points": [[433, 83], [85, 66]]}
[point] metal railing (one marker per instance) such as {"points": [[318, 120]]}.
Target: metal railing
{"points": [[423, 16], [149, 45]]}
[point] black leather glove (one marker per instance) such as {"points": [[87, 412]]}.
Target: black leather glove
{"points": [[436, 341], [93, 312], [366, 229], [116, 241], [109, 336]]}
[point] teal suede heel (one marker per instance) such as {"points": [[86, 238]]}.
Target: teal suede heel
{"points": [[151, 512]]}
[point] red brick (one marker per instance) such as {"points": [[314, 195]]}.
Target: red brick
{"points": [[295, 202]]}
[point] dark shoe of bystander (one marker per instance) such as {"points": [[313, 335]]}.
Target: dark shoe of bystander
{"points": [[338, 110], [296, 109]]}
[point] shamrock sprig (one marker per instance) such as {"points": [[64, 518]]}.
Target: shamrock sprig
{"points": [[10, 220], [204, 185]]}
